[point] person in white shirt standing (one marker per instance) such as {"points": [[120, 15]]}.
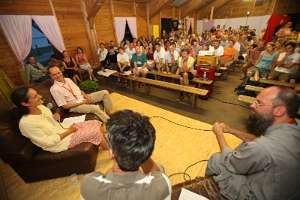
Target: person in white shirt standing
{"points": [[69, 96], [159, 57], [102, 53], [217, 49]]}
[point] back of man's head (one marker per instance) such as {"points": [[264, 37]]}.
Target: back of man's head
{"points": [[289, 99], [131, 137]]}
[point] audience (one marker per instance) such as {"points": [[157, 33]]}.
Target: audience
{"points": [[159, 57], [68, 96], [185, 67], [131, 137], [35, 72], [70, 68], [83, 62], [123, 61], [265, 61], [139, 60], [286, 68], [102, 53]]}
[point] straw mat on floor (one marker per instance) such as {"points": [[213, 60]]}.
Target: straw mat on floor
{"points": [[176, 148]]}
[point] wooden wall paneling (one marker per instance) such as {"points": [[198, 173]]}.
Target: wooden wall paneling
{"points": [[9, 62], [123, 8], [28, 7], [141, 19], [287, 6], [104, 23]]}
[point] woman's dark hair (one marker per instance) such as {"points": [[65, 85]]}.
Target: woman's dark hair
{"points": [[132, 139], [290, 43], [80, 49], [18, 96]]}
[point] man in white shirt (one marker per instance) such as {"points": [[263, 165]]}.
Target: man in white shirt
{"points": [[172, 58], [68, 96], [123, 60], [217, 49], [102, 53], [289, 64], [159, 57]]}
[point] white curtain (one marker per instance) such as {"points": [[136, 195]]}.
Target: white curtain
{"points": [[50, 28], [199, 26], [187, 24], [132, 25], [120, 23], [18, 32]]}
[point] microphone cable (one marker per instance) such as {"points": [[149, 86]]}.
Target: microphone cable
{"points": [[193, 128]]}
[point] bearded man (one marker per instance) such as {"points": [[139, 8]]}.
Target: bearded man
{"points": [[267, 164]]}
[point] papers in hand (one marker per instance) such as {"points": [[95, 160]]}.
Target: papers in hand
{"points": [[73, 120], [188, 195], [106, 72], [126, 73]]}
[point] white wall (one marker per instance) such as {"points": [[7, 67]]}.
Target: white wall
{"points": [[257, 22]]}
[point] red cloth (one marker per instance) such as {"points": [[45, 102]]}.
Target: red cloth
{"points": [[274, 21]]}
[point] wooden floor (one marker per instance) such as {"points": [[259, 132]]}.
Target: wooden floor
{"points": [[176, 148]]}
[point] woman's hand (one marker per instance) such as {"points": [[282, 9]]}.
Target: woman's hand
{"points": [[73, 128], [56, 116]]}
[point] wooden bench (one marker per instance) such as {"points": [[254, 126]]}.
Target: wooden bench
{"points": [[275, 82], [175, 76], [246, 99], [253, 88], [163, 84]]}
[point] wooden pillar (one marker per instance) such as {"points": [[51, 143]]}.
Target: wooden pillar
{"points": [[212, 13], [148, 20], [134, 8], [112, 12], [91, 34]]}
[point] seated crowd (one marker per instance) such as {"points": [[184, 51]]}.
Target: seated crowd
{"points": [[264, 166]]}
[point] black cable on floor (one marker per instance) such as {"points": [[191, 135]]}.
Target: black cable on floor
{"points": [[186, 169], [178, 173], [193, 128]]}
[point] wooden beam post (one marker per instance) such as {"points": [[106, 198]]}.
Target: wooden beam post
{"points": [[148, 20], [92, 36], [112, 12]]}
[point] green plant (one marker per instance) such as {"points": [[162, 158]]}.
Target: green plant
{"points": [[89, 86]]}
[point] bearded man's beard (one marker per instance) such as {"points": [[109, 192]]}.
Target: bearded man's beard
{"points": [[257, 124]]}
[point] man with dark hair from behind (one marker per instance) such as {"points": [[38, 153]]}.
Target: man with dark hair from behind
{"points": [[131, 137], [265, 166]]}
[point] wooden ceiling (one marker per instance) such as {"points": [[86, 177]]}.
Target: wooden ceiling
{"points": [[187, 7]]}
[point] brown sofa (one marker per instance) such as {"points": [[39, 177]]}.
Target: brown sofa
{"points": [[31, 162]]}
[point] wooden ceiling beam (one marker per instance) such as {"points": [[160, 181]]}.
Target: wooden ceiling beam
{"points": [[217, 4], [192, 6], [93, 6], [156, 5]]}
